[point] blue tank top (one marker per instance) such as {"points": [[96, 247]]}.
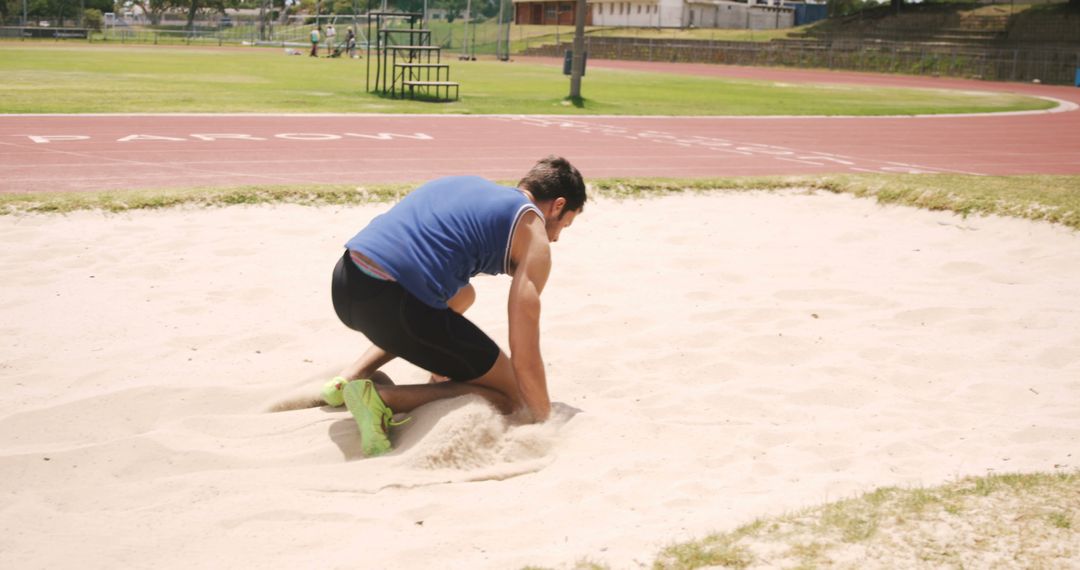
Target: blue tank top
{"points": [[443, 233]]}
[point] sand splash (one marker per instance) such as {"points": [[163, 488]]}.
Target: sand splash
{"points": [[467, 434]]}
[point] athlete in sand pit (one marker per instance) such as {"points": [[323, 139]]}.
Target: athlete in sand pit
{"points": [[404, 282]]}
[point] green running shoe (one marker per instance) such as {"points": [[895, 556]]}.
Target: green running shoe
{"points": [[332, 391], [371, 415]]}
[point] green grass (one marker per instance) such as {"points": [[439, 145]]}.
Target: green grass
{"points": [[1048, 198], [1027, 520], [81, 78]]}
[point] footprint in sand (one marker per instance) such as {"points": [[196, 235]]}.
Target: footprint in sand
{"points": [[236, 252], [962, 269]]}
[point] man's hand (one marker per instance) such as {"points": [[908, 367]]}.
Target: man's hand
{"points": [[530, 256]]}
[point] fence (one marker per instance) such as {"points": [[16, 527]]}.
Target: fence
{"points": [[1050, 65], [251, 30], [294, 31]]}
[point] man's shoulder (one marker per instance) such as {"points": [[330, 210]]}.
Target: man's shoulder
{"points": [[464, 184], [530, 232]]}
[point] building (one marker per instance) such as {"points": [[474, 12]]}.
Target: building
{"points": [[756, 15], [547, 13], [728, 14], [639, 14]]}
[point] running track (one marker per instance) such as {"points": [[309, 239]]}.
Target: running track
{"points": [[83, 153]]}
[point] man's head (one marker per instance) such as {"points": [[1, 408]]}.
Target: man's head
{"points": [[557, 187]]}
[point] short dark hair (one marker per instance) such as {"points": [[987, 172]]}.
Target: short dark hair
{"points": [[554, 177]]}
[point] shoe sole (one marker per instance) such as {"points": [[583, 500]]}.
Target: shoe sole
{"points": [[373, 440]]}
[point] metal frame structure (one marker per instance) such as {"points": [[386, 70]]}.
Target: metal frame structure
{"points": [[405, 68]]}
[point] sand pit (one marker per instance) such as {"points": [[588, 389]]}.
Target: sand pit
{"points": [[713, 358]]}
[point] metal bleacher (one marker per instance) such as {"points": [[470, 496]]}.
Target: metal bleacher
{"points": [[406, 62]]}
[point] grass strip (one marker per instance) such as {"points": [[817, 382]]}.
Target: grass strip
{"points": [[1054, 199], [152, 199], [1030, 520]]}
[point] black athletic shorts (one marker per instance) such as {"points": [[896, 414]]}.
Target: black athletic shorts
{"points": [[437, 340]]}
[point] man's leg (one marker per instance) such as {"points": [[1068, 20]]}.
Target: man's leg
{"points": [[497, 386], [366, 366], [375, 357]]}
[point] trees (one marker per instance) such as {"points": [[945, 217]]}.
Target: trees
{"points": [[839, 8], [347, 7], [153, 9], [56, 11], [414, 6], [93, 19], [194, 6], [488, 8], [454, 8]]}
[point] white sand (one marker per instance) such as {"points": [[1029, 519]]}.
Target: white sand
{"points": [[713, 359]]}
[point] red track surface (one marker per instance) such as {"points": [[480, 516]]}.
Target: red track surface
{"points": [[77, 153]]}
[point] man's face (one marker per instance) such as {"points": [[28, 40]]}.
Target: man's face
{"points": [[555, 223]]}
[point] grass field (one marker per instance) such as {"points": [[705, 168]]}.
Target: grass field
{"points": [[81, 78]]}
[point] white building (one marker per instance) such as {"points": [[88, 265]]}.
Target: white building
{"points": [[759, 14], [639, 14], [738, 15]]}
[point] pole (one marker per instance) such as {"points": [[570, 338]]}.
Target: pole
{"points": [[465, 35], [577, 64], [506, 36], [23, 13], [498, 40], [367, 49]]}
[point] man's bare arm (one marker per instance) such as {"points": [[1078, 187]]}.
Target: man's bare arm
{"points": [[531, 254]]}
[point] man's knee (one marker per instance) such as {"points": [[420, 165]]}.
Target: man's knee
{"points": [[501, 379]]}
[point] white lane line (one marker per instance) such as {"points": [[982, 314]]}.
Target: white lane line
{"points": [[158, 165], [747, 148]]}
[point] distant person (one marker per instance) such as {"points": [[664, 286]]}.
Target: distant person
{"points": [[350, 43], [403, 282], [331, 33], [315, 42]]}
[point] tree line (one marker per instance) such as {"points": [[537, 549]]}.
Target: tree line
{"points": [[54, 11]]}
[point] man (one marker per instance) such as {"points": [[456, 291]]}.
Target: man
{"points": [[331, 34], [314, 42], [350, 44], [404, 282]]}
